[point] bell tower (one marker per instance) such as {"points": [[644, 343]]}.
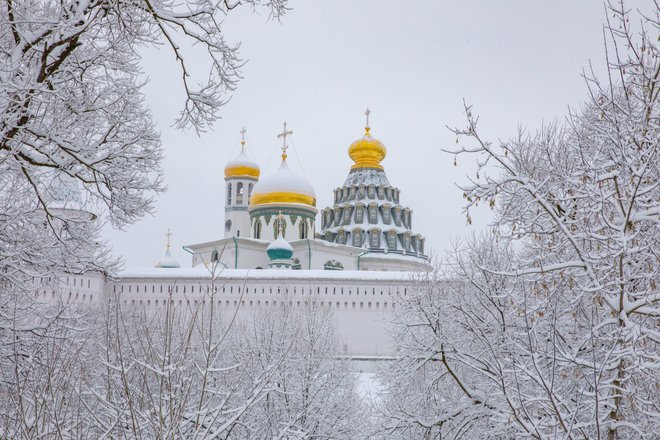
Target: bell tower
{"points": [[241, 174]]}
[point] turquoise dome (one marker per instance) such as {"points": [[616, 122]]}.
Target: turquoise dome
{"points": [[280, 249]]}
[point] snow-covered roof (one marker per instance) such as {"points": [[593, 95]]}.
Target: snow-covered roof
{"points": [[201, 272], [366, 176], [284, 179], [242, 160]]}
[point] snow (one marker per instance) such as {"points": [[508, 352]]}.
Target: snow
{"points": [[242, 160], [265, 274], [284, 179]]}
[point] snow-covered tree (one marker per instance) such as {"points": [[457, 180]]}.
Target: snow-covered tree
{"points": [[550, 327], [313, 392], [76, 143]]}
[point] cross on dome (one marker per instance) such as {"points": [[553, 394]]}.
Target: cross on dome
{"points": [[168, 234], [283, 135], [243, 131], [367, 113]]}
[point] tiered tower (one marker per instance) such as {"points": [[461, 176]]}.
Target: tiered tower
{"points": [[241, 175], [287, 193], [366, 211]]}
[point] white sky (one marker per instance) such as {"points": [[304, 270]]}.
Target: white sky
{"points": [[411, 63]]}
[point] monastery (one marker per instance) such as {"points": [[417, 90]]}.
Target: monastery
{"points": [[352, 258]]}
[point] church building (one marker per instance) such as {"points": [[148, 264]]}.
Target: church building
{"points": [[367, 228]]}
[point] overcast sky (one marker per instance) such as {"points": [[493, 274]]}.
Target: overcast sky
{"points": [[412, 63]]}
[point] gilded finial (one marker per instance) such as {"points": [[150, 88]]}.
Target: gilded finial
{"points": [[283, 135], [366, 127]]}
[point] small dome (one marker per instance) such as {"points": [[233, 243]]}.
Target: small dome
{"points": [[242, 165], [283, 186], [167, 261], [367, 152], [280, 249]]}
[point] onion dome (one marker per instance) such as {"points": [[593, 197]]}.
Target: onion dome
{"points": [[168, 261], [367, 152], [284, 186], [280, 249], [242, 165]]}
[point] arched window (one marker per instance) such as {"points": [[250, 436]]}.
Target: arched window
{"points": [[249, 192], [277, 225], [239, 193], [359, 213], [357, 237], [391, 239], [229, 194], [257, 229], [302, 226], [374, 240], [373, 213]]}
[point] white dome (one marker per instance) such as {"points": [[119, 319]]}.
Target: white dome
{"points": [[283, 185], [242, 165], [168, 261]]}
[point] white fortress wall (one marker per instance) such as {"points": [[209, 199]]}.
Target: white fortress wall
{"points": [[361, 302]]}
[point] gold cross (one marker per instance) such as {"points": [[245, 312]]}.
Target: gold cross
{"points": [[168, 234], [367, 113], [283, 135], [243, 131]]}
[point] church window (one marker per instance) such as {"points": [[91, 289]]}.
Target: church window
{"points": [[375, 238], [337, 195], [409, 215], [359, 213], [279, 226], [328, 217], [249, 192], [373, 213], [347, 214], [388, 193], [397, 216], [351, 194], [337, 215], [357, 237], [406, 241], [386, 214], [372, 192], [360, 192], [257, 229], [239, 193], [391, 239], [229, 194], [395, 193], [302, 226], [341, 236], [381, 192]]}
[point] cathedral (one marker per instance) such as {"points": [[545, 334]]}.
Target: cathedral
{"points": [[354, 258], [366, 229]]}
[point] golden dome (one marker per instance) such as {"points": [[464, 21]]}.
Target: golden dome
{"points": [[242, 165], [367, 152], [283, 187]]}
